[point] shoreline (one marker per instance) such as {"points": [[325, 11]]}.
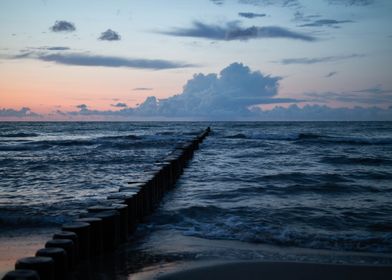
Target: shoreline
{"points": [[160, 253], [278, 270]]}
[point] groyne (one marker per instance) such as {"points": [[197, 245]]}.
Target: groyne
{"points": [[100, 229]]}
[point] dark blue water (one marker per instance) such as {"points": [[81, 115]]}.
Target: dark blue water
{"points": [[323, 185]]}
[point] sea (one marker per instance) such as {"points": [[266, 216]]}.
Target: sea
{"points": [[307, 185]]}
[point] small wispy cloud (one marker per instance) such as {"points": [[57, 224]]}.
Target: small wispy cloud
{"points": [[330, 74], [306, 60], [233, 31], [46, 48], [326, 22], [57, 48], [251, 15], [281, 3], [63, 26], [109, 35], [351, 2], [218, 2], [82, 59], [119, 105], [378, 89], [142, 89]]}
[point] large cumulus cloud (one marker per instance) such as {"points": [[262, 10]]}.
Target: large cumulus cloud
{"points": [[229, 94]]}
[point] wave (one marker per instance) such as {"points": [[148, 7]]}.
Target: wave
{"points": [[121, 137], [237, 136], [19, 135], [356, 160], [23, 220], [24, 147], [313, 138], [328, 139], [275, 229]]}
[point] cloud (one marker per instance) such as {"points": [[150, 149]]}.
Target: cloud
{"points": [[371, 96], [109, 35], [330, 74], [23, 112], [228, 94], [326, 22], [324, 113], [81, 106], [84, 110], [236, 93], [251, 15], [350, 2], [57, 48], [82, 59], [46, 48], [282, 3], [63, 26], [305, 60], [218, 2], [142, 89], [119, 105], [375, 90], [233, 31], [278, 113]]}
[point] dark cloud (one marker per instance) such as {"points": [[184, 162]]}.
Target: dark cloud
{"points": [[330, 74], [350, 2], [109, 35], [142, 89], [82, 59], [119, 105], [63, 26], [81, 107], [306, 60], [57, 48], [229, 94], [233, 31], [326, 22], [23, 112], [251, 15]]}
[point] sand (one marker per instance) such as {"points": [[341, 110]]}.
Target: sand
{"points": [[281, 270], [20, 244]]}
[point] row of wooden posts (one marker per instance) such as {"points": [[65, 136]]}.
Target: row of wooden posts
{"points": [[101, 228]]}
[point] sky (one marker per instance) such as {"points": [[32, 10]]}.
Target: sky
{"points": [[195, 60]]}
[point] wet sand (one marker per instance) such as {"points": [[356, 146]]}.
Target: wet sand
{"points": [[19, 244], [168, 255], [281, 270]]}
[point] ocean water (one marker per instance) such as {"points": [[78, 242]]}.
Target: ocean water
{"points": [[317, 185]]}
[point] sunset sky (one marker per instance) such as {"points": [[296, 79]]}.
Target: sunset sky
{"points": [[65, 60]]}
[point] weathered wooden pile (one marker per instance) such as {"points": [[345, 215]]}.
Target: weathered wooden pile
{"points": [[102, 228]]}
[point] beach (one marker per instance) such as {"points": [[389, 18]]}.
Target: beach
{"points": [[17, 244], [280, 271]]}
